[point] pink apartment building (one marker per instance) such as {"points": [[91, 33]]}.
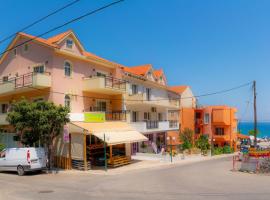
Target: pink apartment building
{"points": [[60, 70]]}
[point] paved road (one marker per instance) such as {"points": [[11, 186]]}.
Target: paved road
{"points": [[205, 180]]}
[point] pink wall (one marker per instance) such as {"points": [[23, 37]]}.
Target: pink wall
{"points": [[54, 63]]}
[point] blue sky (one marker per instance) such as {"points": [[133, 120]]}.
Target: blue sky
{"points": [[210, 45]]}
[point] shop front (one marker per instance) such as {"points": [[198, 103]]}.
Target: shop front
{"points": [[99, 144]]}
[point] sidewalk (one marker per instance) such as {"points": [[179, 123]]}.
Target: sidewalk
{"points": [[147, 162]]}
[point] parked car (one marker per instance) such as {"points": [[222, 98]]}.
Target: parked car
{"points": [[23, 160]]}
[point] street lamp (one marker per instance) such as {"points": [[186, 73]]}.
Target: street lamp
{"points": [[212, 144], [170, 138]]}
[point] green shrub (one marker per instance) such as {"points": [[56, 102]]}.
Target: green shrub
{"points": [[203, 144], [227, 149], [218, 150], [186, 137], [2, 146]]}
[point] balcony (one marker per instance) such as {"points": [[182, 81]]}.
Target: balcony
{"points": [[139, 99], [105, 85], [3, 120], [109, 116], [221, 117], [26, 82], [221, 138], [154, 126]]}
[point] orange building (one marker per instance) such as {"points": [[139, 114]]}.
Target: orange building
{"points": [[218, 122]]}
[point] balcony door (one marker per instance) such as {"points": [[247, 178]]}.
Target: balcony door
{"points": [[101, 106]]}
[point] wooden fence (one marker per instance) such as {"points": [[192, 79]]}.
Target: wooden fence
{"points": [[62, 162]]}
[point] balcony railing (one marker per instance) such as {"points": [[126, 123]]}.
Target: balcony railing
{"points": [[115, 83], [173, 124], [119, 115], [27, 81], [151, 124], [116, 116], [104, 84]]}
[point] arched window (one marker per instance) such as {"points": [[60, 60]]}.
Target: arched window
{"points": [[67, 101], [68, 68]]}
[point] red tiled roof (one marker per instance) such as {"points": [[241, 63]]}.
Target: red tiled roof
{"points": [[58, 37], [179, 89], [158, 73], [139, 70], [41, 40], [52, 40]]}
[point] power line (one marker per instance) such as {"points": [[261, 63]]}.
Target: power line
{"points": [[39, 20], [164, 99], [224, 91], [65, 24]]}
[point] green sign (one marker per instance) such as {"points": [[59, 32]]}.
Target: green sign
{"points": [[94, 117]]}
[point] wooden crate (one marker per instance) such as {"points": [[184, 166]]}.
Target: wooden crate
{"points": [[118, 161], [79, 164]]}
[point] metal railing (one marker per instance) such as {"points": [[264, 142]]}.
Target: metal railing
{"points": [[120, 115], [23, 80], [115, 83], [111, 82], [173, 124], [151, 124]]}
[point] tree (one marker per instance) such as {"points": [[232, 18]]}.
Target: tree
{"points": [[2, 146], [41, 121], [19, 116], [186, 137], [202, 143], [252, 132]]}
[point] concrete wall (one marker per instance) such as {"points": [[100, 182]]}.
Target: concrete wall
{"points": [[186, 101]]}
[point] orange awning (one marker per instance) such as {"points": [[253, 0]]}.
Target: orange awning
{"points": [[242, 136]]}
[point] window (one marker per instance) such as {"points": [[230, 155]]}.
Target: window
{"points": [[134, 116], [146, 116], [39, 69], [102, 106], [206, 118], [5, 79], [150, 137], [219, 131], [69, 43], [25, 47], [197, 130], [67, 101], [67, 68], [15, 52], [160, 117], [198, 115], [148, 94], [134, 89], [4, 108], [101, 74]]}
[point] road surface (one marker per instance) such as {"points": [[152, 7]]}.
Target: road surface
{"points": [[205, 180]]}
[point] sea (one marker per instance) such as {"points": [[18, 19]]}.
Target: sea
{"points": [[263, 127]]}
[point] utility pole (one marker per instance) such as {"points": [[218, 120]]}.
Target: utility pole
{"points": [[105, 154], [255, 113]]}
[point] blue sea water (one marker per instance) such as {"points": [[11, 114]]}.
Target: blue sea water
{"points": [[263, 127]]}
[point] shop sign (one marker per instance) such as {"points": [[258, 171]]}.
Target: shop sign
{"points": [[66, 134], [94, 117]]}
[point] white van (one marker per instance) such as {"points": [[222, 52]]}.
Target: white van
{"points": [[23, 159]]}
